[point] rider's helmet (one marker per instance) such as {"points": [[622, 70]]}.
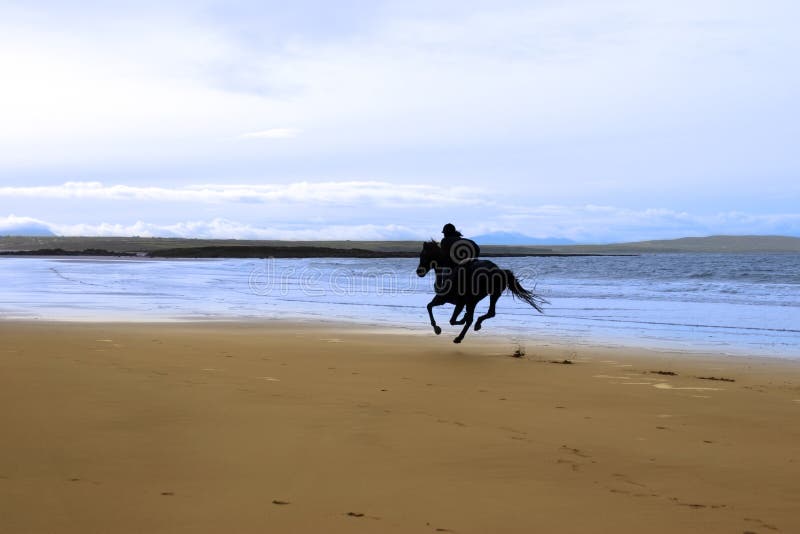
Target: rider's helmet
{"points": [[450, 229]]}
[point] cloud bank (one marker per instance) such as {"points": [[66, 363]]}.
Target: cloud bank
{"points": [[365, 192], [588, 224]]}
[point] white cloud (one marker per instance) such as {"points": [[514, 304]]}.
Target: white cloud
{"points": [[369, 193], [220, 228], [273, 133]]}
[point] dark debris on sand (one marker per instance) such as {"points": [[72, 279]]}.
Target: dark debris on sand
{"points": [[721, 379]]}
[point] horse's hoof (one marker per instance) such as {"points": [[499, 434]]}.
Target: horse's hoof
{"points": [[477, 326], [437, 330], [457, 340]]}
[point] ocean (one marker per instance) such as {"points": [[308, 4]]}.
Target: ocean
{"points": [[728, 303]]}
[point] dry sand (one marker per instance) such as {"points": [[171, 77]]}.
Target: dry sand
{"points": [[288, 428]]}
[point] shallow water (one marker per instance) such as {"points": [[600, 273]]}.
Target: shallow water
{"points": [[722, 302]]}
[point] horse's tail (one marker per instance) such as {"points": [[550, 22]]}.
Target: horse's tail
{"points": [[520, 292]]}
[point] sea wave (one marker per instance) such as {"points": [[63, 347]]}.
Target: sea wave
{"points": [[750, 302]]}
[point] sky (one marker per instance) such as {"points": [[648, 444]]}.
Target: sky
{"points": [[595, 121]]}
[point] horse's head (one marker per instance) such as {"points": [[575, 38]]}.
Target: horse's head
{"points": [[429, 257]]}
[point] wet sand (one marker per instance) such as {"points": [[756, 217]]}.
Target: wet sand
{"points": [[235, 427]]}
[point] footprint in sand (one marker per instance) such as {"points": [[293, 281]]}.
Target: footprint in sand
{"points": [[624, 485], [576, 452], [697, 506], [575, 465]]}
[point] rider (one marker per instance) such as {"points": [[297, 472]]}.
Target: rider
{"points": [[457, 250]]}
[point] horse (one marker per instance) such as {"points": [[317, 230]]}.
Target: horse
{"points": [[467, 286]]}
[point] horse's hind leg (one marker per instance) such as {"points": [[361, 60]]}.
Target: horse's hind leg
{"points": [[456, 312], [489, 314], [438, 300], [470, 313]]}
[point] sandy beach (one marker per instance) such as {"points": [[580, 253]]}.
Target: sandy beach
{"points": [[243, 427]]}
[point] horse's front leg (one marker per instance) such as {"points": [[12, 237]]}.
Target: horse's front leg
{"points": [[467, 321], [456, 312], [438, 300]]}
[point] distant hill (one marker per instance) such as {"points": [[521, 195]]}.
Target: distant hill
{"points": [[27, 229], [716, 243], [736, 244], [515, 238]]}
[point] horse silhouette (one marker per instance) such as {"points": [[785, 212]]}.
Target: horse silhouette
{"points": [[467, 285]]}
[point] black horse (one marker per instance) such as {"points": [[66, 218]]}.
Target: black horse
{"points": [[468, 286]]}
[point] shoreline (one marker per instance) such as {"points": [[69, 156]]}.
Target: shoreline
{"points": [[208, 427], [422, 329], [692, 314]]}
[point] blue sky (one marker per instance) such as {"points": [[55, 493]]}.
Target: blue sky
{"points": [[589, 120]]}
